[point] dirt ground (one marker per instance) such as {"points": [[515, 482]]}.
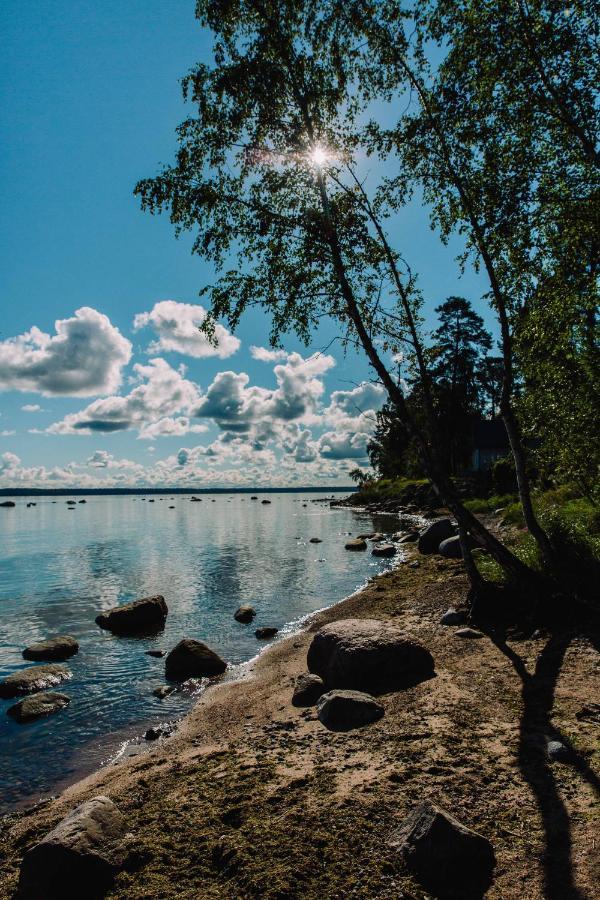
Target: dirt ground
{"points": [[252, 797]]}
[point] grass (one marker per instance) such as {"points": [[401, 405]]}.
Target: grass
{"points": [[386, 489]]}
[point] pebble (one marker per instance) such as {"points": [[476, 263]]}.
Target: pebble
{"points": [[468, 633]]}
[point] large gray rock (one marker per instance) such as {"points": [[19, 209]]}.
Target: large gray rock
{"points": [[61, 647], [244, 614], [448, 858], [367, 655], [434, 534], [139, 616], [308, 689], [193, 659], [37, 705], [32, 679], [345, 710], [78, 858]]}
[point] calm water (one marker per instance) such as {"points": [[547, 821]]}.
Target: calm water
{"points": [[60, 568]]}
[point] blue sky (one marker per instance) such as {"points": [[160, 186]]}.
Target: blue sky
{"points": [[89, 103]]}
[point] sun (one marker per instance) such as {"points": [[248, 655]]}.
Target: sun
{"points": [[319, 155]]}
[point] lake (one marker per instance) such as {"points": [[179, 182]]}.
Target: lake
{"points": [[60, 566]]}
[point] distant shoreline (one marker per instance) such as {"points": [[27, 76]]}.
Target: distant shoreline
{"points": [[66, 492]]}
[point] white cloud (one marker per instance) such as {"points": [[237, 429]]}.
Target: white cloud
{"points": [[170, 427], [264, 355], [31, 407], [176, 325], [344, 446], [162, 392], [8, 432], [84, 357]]}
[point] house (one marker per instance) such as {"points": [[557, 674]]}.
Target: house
{"points": [[489, 442]]}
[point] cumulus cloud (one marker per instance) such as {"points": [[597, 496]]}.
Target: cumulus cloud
{"points": [[344, 446], [161, 393], [176, 326], [31, 407], [264, 355], [85, 357], [355, 409]]}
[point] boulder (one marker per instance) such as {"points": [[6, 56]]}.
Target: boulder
{"points": [[139, 616], [52, 649], [453, 617], [265, 633], [383, 550], [193, 659], [78, 858], [448, 858], [367, 655], [434, 534], [315, 541], [37, 705], [8, 503], [356, 544], [308, 689], [345, 710], [32, 679], [244, 614]]}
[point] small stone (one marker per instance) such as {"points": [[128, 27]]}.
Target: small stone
{"points": [[163, 691], [265, 633], [244, 614], [356, 544], [157, 654], [557, 750], [453, 617], [308, 689], [315, 541], [415, 564], [38, 705], [341, 710], [52, 649], [468, 633]]}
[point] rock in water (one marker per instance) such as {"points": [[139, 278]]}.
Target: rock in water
{"points": [[345, 710], [244, 614], [367, 655], [376, 536], [265, 633], [78, 858], [411, 538], [356, 544], [163, 691], [37, 705], [61, 647], [434, 534], [8, 503], [145, 615], [157, 654], [193, 659], [447, 857], [316, 541], [308, 690], [383, 550], [32, 679]]}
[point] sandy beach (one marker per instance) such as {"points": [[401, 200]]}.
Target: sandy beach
{"points": [[252, 797]]}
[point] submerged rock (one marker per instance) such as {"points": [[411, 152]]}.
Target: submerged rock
{"points": [[367, 655], [345, 710], [193, 659], [37, 705], [57, 648], [356, 544], [434, 534], [265, 633], [32, 679], [139, 616], [244, 614], [447, 857], [308, 689], [78, 858]]}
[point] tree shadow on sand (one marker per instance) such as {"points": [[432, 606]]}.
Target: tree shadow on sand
{"points": [[535, 731]]}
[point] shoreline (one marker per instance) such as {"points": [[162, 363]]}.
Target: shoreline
{"points": [[253, 797]]}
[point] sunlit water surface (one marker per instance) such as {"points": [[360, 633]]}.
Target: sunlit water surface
{"points": [[60, 567]]}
